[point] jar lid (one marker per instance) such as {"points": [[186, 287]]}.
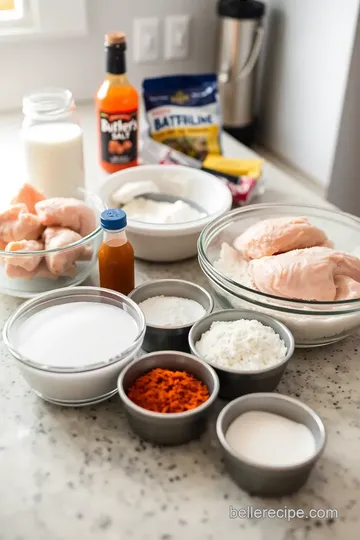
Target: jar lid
{"points": [[241, 9], [113, 219]]}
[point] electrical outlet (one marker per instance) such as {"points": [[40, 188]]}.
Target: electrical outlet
{"points": [[146, 39], [177, 36]]}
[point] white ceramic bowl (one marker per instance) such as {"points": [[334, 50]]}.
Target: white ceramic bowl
{"points": [[171, 242], [81, 385]]}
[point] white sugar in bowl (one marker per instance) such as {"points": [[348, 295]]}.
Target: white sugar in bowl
{"points": [[71, 344]]}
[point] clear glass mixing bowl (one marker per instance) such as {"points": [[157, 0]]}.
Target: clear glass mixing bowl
{"points": [[28, 285], [312, 323]]}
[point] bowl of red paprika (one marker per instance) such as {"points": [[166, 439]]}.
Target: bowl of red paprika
{"points": [[168, 396]]}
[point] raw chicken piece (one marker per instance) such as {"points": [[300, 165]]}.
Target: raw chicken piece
{"points": [[63, 261], [44, 272], [68, 213], [305, 274], [17, 223], [279, 235], [41, 271], [28, 262], [29, 196], [346, 288]]}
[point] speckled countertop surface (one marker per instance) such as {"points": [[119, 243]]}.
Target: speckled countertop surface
{"points": [[68, 474], [80, 474]]}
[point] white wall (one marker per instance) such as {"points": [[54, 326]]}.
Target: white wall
{"points": [[78, 63], [344, 187], [305, 68]]}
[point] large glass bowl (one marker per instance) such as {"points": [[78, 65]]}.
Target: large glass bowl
{"points": [[42, 280], [81, 385], [312, 323]]}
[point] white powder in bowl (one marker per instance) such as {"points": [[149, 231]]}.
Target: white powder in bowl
{"points": [[170, 311], [243, 345], [149, 211]]}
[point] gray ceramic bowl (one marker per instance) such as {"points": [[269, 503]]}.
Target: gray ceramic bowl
{"points": [[158, 338], [234, 383], [269, 481], [168, 428]]}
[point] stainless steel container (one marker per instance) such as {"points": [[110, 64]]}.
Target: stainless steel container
{"points": [[241, 36], [176, 338], [269, 481], [168, 428], [232, 382]]}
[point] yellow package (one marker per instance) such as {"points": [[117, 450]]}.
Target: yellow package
{"points": [[183, 112], [233, 166]]}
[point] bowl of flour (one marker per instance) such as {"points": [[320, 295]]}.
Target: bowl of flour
{"points": [[171, 307], [248, 350], [163, 232]]}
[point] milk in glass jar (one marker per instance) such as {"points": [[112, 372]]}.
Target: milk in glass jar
{"points": [[53, 143]]}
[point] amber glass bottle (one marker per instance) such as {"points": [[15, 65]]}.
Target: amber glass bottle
{"points": [[117, 104], [116, 254]]}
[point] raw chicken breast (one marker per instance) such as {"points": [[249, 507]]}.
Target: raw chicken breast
{"points": [[63, 261], [305, 274], [29, 196], [28, 262], [279, 235], [17, 223], [67, 213], [346, 288]]}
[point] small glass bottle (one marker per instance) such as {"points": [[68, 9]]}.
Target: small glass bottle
{"points": [[53, 143], [117, 104], [116, 254]]}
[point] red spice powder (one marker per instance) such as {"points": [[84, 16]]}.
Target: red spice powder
{"points": [[166, 391]]}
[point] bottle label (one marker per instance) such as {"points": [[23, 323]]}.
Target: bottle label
{"points": [[119, 136]]}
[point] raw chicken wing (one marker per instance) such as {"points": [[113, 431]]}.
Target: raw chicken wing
{"points": [[67, 213], [17, 223], [305, 274], [279, 235], [27, 262], [63, 261], [29, 196]]}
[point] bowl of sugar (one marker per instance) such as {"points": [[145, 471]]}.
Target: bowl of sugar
{"points": [[270, 442], [170, 307], [71, 344], [248, 350]]}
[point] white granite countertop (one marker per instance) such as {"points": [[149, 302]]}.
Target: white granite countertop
{"points": [[68, 474]]}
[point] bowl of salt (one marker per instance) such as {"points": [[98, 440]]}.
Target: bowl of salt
{"points": [[170, 307]]}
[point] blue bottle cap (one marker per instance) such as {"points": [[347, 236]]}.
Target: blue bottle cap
{"points": [[113, 219]]}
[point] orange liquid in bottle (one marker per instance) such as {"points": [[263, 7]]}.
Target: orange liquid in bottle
{"points": [[116, 266], [116, 255], [117, 104]]}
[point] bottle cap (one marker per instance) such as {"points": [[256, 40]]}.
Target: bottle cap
{"points": [[115, 39], [113, 219]]}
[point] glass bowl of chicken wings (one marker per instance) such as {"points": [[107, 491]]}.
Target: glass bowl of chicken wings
{"points": [[47, 243], [297, 263]]}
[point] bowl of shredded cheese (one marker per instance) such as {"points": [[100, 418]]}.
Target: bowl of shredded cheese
{"points": [[248, 350]]}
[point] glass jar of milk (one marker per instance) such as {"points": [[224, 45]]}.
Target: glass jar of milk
{"points": [[53, 143]]}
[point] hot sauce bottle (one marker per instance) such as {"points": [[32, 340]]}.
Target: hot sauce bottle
{"points": [[117, 104], [116, 254]]}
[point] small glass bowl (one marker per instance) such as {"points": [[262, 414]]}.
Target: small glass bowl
{"points": [[43, 280], [80, 385], [311, 323]]}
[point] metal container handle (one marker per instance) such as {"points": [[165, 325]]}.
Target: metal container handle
{"points": [[254, 54], [225, 75]]}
